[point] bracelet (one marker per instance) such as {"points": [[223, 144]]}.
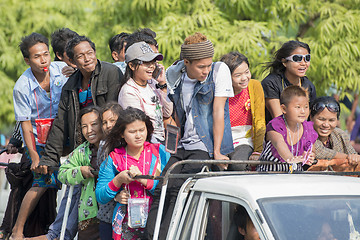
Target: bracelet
{"points": [[161, 86]]}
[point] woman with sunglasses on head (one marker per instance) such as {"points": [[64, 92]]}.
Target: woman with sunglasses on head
{"points": [[288, 68], [142, 91], [332, 141]]}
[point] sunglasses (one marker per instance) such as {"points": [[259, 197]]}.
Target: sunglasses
{"points": [[331, 106], [299, 58]]}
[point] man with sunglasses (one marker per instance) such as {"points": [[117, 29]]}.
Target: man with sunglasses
{"points": [[289, 67]]}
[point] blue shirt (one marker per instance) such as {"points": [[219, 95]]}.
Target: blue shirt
{"points": [[121, 65], [26, 86]]}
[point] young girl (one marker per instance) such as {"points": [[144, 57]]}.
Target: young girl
{"points": [[289, 67], [131, 155], [289, 138], [110, 114], [77, 169], [247, 125], [142, 91]]}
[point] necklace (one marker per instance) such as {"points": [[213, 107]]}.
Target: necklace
{"points": [[291, 142], [142, 85]]}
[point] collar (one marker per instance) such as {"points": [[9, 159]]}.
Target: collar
{"points": [[54, 72], [75, 79]]}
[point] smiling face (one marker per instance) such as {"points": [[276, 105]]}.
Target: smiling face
{"points": [[296, 69], [85, 57], [91, 128], [135, 135], [198, 69], [297, 110], [108, 121], [241, 77], [39, 58], [324, 123], [143, 72]]}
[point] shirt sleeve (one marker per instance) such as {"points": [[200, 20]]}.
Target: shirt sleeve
{"points": [[129, 99], [105, 189], [222, 80], [69, 172], [272, 86], [322, 152], [22, 105]]}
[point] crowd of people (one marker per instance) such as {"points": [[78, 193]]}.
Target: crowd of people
{"points": [[114, 120]]}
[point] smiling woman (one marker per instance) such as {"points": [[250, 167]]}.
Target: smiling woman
{"points": [[332, 141], [289, 67], [142, 91]]}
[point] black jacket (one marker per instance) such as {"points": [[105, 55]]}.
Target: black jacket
{"points": [[65, 134]]}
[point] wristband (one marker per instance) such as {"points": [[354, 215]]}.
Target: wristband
{"points": [[161, 86]]}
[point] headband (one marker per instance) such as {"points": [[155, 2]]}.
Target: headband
{"points": [[197, 51]]}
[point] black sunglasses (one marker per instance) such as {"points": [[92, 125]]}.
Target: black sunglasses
{"points": [[299, 58], [331, 106]]}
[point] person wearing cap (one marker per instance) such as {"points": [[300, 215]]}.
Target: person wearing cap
{"points": [[199, 90], [142, 91]]}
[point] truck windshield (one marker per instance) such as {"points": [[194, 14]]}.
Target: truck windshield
{"points": [[319, 218]]}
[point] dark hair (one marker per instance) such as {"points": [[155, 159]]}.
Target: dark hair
{"points": [[126, 117], [325, 100], [234, 59], [76, 41], [241, 217], [276, 66], [90, 109], [28, 41], [59, 39], [292, 91], [129, 73], [113, 106], [116, 43], [146, 34]]}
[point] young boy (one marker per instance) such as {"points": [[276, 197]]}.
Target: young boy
{"points": [[199, 90], [36, 95]]}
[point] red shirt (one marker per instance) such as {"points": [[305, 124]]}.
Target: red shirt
{"points": [[240, 109]]}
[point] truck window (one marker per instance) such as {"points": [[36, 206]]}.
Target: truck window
{"points": [[217, 219], [186, 232]]}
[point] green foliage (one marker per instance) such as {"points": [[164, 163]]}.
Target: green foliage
{"points": [[255, 28]]}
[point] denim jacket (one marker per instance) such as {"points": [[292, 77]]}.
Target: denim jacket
{"points": [[201, 107]]}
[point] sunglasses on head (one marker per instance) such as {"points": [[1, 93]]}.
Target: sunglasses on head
{"points": [[331, 106], [299, 58]]}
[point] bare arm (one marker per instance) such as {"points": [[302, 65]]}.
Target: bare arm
{"points": [[273, 106], [31, 145], [218, 126]]}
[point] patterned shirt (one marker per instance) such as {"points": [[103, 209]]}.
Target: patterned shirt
{"points": [[339, 142]]}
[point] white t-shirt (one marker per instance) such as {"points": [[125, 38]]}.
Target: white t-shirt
{"points": [[145, 99], [223, 88]]}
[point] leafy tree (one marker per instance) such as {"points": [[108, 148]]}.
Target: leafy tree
{"points": [[255, 28]]}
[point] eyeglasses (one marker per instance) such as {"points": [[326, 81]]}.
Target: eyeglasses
{"points": [[299, 58], [147, 64], [331, 106]]}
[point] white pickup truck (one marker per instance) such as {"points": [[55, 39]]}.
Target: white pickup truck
{"points": [[281, 206]]}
